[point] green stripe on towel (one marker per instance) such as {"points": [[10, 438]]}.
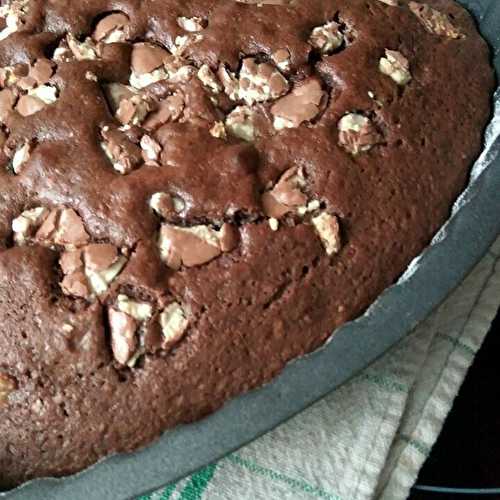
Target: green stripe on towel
{"points": [[385, 382], [167, 492], [297, 484], [416, 444], [458, 343], [198, 483]]}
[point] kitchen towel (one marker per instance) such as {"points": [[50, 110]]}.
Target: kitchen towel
{"points": [[370, 437]]}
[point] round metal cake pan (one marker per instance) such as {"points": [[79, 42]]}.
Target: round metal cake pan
{"points": [[459, 245]]}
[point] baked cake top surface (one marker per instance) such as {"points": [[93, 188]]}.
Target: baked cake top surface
{"points": [[195, 192]]}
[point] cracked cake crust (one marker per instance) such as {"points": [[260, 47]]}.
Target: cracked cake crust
{"points": [[196, 192]]}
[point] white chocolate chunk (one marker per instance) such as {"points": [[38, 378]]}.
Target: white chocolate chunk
{"points": [[29, 220], [86, 50], [240, 123], [256, 82], [173, 322], [274, 224], [208, 78], [13, 12], [218, 131], [141, 311], [141, 81], [395, 65], [191, 24], [151, 149], [100, 280], [21, 156], [326, 38], [46, 93], [327, 227]]}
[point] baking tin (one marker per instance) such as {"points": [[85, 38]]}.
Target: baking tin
{"points": [[441, 490], [460, 244]]}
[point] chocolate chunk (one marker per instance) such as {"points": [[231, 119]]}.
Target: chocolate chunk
{"points": [[123, 335], [147, 57], [328, 229], [36, 99], [76, 284], [63, 227], [112, 28], [189, 246], [90, 270], [165, 204], [286, 195], [123, 154], [162, 204], [82, 51], [102, 265], [71, 230], [14, 12], [29, 105], [327, 38], [99, 257], [218, 130], [140, 311], [229, 82], [434, 21], [260, 82], [288, 190], [71, 261], [21, 156], [395, 65], [191, 24], [49, 226], [150, 150], [42, 71], [10, 75], [194, 246], [26, 83], [256, 82], [281, 58], [173, 323], [241, 123], [116, 93], [133, 111], [272, 207], [25, 226], [301, 105], [127, 320], [168, 109], [209, 79], [357, 133]]}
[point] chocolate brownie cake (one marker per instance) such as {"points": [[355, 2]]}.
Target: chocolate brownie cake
{"points": [[195, 192]]}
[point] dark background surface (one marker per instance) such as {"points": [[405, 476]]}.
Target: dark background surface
{"points": [[467, 453]]}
